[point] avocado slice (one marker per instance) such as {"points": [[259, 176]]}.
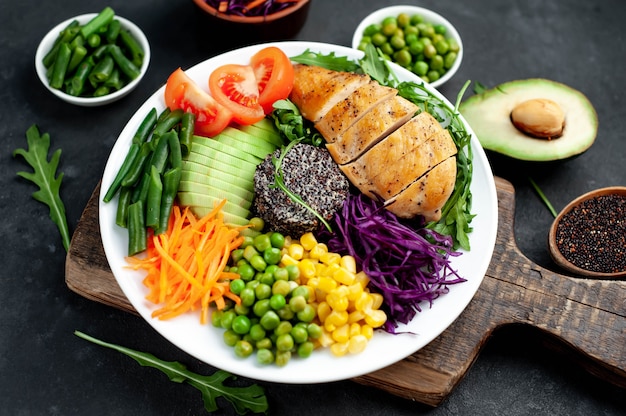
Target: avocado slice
{"points": [[200, 142], [261, 147], [238, 196], [209, 201], [243, 188], [264, 130], [490, 116], [240, 179]]}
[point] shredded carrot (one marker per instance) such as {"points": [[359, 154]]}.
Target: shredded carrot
{"points": [[186, 264], [254, 3]]}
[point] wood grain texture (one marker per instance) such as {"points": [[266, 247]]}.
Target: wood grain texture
{"points": [[583, 317]]}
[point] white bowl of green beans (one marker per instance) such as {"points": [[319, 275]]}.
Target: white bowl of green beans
{"points": [[418, 39], [93, 59]]}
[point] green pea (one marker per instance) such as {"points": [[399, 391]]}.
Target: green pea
{"points": [[301, 291], [257, 262], [257, 332], [256, 224], [286, 314], [281, 287], [281, 274], [227, 318], [264, 356], [411, 30], [236, 255], [410, 38], [247, 296], [386, 48], [277, 302], [314, 330], [299, 333], [262, 242], [250, 251], [449, 59], [389, 20], [237, 285], [379, 39], [284, 342], [216, 318], [397, 42], [389, 29], [270, 320], [433, 76], [243, 349], [436, 63], [277, 240], [247, 241], [284, 327], [282, 358], [454, 45], [442, 47], [404, 19], [272, 255], [230, 337], [265, 278], [263, 291], [252, 284], [403, 58], [307, 314], [294, 271], [416, 47], [305, 349], [430, 50], [420, 68], [416, 19], [241, 325], [264, 343], [372, 29], [439, 28], [241, 309]]}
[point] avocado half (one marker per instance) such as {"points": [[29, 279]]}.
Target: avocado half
{"points": [[489, 115]]}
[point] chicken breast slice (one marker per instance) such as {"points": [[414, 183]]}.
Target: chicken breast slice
{"points": [[369, 130], [385, 157], [352, 108], [428, 194], [316, 90]]}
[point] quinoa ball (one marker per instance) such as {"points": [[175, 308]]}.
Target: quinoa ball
{"points": [[309, 172]]}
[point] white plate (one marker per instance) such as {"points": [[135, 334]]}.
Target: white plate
{"points": [[205, 342]]}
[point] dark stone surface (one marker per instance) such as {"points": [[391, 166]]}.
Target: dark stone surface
{"points": [[45, 369]]}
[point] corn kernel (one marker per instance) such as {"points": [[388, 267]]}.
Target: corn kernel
{"points": [[320, 295], [354, 291], [342, 333], [296, 251], [320, 268], [313, 282], [356, 316], [339, 349], [329, 326], [364, 302], [318, 251], [348, 263], [325, 340], [378, 300], [336, 300], [337, 318], [344, 276], [308, 241], [307, 268], [357, 344], [287, 260], [330, 258], [363, 279], [355, 329], [375, 318], [323, 310], [367, 331], [326, 284]]}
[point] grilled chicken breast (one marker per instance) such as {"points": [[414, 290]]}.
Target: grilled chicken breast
{"points": [[383, 147]]}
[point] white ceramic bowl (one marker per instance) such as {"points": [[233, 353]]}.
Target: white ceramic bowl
{"points": [[429, 16], [48, 41]]}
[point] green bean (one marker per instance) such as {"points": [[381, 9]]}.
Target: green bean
{"points": [[101, 20], [121, 217], [137, 235], [66, 35], [60, 66], [145, 128], [140, 191], [134, 173], [99, 52], [78, 54], [102, 70], [125, 65], [168, 122], [153, 204], [175, 153], [114, 81], [94, 40], [101, 91], [113, 31], [186, 131], [76, 42], [132, 46], [161, 151], [77, 83]]}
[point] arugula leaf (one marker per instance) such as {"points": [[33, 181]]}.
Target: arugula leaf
{"points": [[44, 175], [293, 126], [330, 61], [374, 66], [243, 399]]}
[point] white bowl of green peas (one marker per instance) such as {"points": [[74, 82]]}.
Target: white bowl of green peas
{"points": [[93, 59], [418, 39]]}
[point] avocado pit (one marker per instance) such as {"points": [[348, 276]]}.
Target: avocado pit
{"points": [[539, 117]]}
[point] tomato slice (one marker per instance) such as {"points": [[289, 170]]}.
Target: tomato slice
{"points": [[235, 87], [274, 74], [182, 92]]}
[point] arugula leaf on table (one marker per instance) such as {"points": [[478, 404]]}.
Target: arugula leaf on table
{"points": [[243, 399], [44, 175]]}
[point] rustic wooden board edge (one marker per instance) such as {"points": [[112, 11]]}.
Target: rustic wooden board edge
{"points": [[514, 291]]}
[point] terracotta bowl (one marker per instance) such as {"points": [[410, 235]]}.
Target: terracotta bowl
{"points": [[277, 26], [557, 255]]}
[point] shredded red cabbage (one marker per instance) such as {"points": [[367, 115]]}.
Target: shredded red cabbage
{"points": [[406, 263], [240, 7]]}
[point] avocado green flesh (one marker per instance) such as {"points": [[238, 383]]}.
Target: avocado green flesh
{"points": [[237, 196], [260, 147], [239, 153], [264, 131], [488, 114], [209, 201], [242, 187]]}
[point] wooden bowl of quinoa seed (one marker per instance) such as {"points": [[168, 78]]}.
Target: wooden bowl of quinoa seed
{"points": [[588, 237]]}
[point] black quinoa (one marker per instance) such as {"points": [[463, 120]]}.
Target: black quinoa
{"points": [[592, 236], [309, 172]]}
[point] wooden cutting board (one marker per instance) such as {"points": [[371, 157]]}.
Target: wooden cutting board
{"points": [[586, 316]]}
